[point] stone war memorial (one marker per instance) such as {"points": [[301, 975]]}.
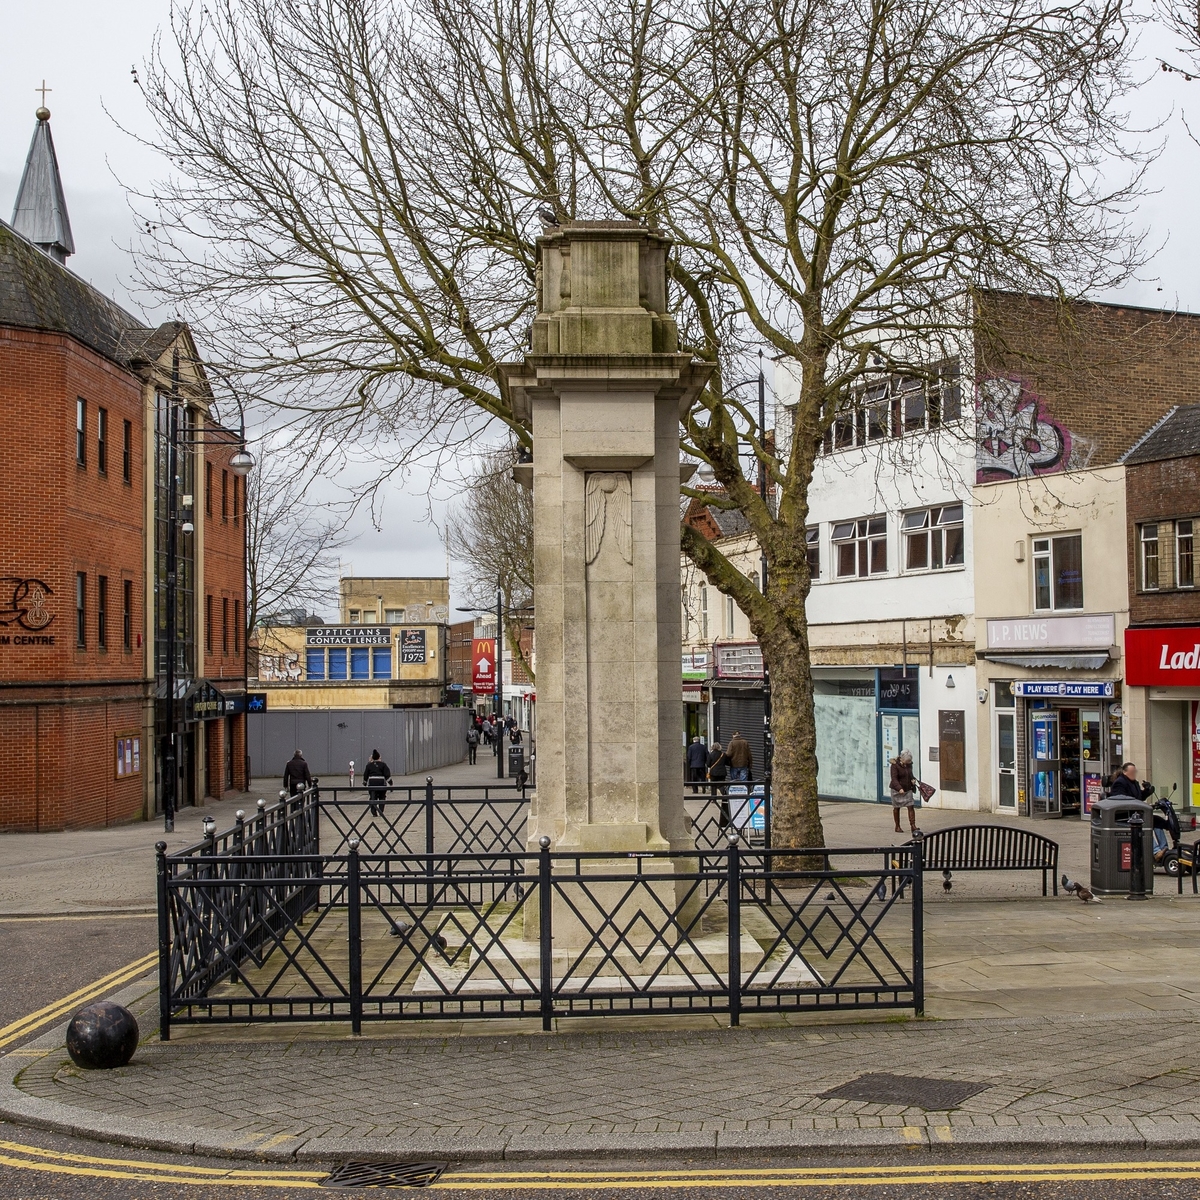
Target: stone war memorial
{"points": [[599, 893]]}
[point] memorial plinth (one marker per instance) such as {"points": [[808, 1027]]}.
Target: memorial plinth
{"points": [[602, 390]]}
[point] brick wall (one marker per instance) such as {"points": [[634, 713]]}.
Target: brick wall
{"points": [[1161, 491], [62, 707], [1105, 373]]}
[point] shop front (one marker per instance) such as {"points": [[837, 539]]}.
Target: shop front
{"points": [[1165, 661], [1074, 740], [695, 696]]}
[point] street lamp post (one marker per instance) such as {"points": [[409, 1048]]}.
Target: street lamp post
{"points": [[241, 463], [498, 697]]}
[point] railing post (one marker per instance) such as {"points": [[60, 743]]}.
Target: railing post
{"points": [[918, 926], [733, 902], [429, 838], [164, 945], [355, 930], [545, 935]]}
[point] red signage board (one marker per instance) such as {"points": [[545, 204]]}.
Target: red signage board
{"points": [[483, 666], [1166, 657]]}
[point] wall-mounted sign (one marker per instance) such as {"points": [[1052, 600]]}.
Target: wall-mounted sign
{"points": [[952, 749], [1093, 632], [738, 660], [1062, 689], [483, 666], [129, 755], [256, 702], [347, 635], [24, 604], [412, 646], [1163, 657]]}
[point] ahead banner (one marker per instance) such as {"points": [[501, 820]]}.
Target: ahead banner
{"points": [[483, 666]]}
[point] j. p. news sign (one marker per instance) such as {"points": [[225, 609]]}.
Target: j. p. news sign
{"points": [[1168, 657]]}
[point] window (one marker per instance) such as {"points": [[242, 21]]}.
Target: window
{"points": [[127, 451], [127, 613], [337, 662], [729, 611], [860, 547], [208, 624], [102, 612], [897, 406], [812, 539], [369, 616], [1058, 572], [394, 616], [236, 498], [224, 495], [237, 627], [704, 612], [208, 488], [933, 538], [1185, 562], [81, 432], [360, 662], [224, 624], [355, 616], [381, 661], [80, 609], [102, 440], [314, 664], [1149, 552], [1003, 694]]}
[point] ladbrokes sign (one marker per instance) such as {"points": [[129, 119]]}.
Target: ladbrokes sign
{"points": [[1163, 657]]}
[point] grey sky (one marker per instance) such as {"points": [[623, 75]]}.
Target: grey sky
{"points": [[85, 50]]}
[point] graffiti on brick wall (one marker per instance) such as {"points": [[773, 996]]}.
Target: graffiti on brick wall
{"points": [[1018, 437]]}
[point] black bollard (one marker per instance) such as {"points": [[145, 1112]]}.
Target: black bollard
{"points": [[1137, 859]]}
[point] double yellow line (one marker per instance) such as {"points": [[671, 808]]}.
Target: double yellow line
{"points": [[28, 1025], [59, 1162]]}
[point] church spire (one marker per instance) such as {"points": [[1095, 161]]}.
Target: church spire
{"points": [[40, 213]]}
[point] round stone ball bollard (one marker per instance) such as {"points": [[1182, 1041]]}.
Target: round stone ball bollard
{"points": [[102, 1036]]}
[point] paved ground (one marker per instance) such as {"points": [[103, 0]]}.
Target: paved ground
{"points": [[1077, 1021]]}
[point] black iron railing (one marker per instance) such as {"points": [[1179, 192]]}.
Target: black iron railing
{"points": [[249, 933]]}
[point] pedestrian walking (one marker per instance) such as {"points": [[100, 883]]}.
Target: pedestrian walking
{"points": [[514, 734], [472, 743], [903, 787], [697, 763], [486, 727], [718, 771], [376, 775], [296, 775], [741, 758]]}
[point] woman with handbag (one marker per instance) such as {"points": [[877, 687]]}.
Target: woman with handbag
{"points": [[903, 788]]}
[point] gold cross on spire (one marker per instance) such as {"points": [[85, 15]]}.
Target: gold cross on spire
{"points": [[43, 89]]}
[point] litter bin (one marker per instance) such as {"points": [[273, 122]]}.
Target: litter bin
{"points": [[516, 761], [1111, 845]]}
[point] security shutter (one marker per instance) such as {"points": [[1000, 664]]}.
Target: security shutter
{"points": [[741, 710]]}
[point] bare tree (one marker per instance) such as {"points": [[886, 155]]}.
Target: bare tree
{"points": [[490, 532], [351, 213], [291, 553]]}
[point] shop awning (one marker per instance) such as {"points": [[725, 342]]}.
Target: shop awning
{"points": [[1068, 662]]}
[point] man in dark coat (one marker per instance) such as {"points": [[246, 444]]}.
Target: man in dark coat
{"points": [[1126, 784], [296, 775], [376, 775], [697, 763]]}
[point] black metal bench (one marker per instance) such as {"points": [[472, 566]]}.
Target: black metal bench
{"points": [[990, 848]]}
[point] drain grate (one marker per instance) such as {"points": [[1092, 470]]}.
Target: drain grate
{"points": [[911, 1091], [384, 1174]]}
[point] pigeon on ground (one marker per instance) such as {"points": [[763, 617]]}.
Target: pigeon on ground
{"points": [[1072, 888], [400, 928]]}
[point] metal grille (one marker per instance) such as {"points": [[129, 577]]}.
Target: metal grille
{"points": [[384, 1174]]}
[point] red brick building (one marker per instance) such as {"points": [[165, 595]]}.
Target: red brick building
{"points": [[84, 389]]}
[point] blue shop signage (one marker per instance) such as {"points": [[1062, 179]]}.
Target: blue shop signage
{"points": [[1062, 690]]}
